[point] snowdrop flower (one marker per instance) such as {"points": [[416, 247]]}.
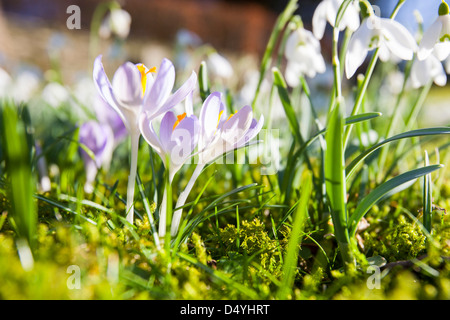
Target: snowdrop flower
{"points": [[303, 56], [177, 138], [134, 91], [219, 66], [423, 71], [219, 134], [99, 139], [327, 11], [437, 36], [117, 22], [391, 38]]}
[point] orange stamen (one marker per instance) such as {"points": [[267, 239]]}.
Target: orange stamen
{"points": [[179, 118], [144, 73]]}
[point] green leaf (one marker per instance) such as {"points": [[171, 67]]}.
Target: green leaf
{"points": [[203, 81], [300, 217], [410, 134], [287, 105], [18, 165], [384, 189], [335, 172], [427, 197]]}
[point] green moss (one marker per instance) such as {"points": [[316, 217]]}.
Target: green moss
{"points": [[400, 241]]}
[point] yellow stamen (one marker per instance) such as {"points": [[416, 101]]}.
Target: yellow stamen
{"points": [[144, 73], [231, 116], [179, 118], [218, 120]]}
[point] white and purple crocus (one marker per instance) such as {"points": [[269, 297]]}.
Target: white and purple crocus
{"points": [[133, 92]]}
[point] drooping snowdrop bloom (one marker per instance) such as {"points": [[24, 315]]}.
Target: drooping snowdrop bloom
{"points": [[134, 91], [392, 39], [219, 66], [327, 11], [177, 138], [99, 139], [423, 71], [117, 22], [219, 134], [303, 56], [437, 36]]}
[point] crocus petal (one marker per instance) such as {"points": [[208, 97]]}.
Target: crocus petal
{"points": [[254, 129], [165, 131], [178, 96], [126, 84], [237, 125], [429, 39], [161, 88], [357, 48], [148, 132], [209, 116], [104, 87], [185, 138]]}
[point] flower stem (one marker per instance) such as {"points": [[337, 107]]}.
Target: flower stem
{"points": [[183, 197], [132, 177]]}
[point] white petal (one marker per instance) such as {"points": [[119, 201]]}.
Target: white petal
{"points": [[357, 48], [398, 39], [442, 50], [429, 39], [319, 20]]}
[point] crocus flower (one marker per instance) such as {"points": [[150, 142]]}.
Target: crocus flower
{"points": [[437, 36], [303, 56], [423, 71], [177, 138], [134, 91], [219, 134], [327, 11], [392, 39], [99, 139]]}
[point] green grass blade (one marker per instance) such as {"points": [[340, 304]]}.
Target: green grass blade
{"points": [[427, 197], [386, 188], [335, 172], [18, 164], [290, 261], [280, 83], [203, 81], [413, 133]]}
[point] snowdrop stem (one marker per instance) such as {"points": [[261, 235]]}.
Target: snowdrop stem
{"points": [[132, 177], [183, 197], [361, 93], [368, 76]]}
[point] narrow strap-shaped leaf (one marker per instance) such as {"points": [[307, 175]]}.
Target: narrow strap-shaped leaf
{"points": [[409, 134], [386, 188], [335, 172], [280, 83]]}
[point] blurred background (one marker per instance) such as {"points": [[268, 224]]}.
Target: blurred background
{"points": [[34, 34]]}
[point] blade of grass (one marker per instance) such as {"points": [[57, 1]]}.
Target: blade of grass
{"points": [[18, 165], [383, 189], [335, 179], [290, 260], [427, 196], [413, 133]]}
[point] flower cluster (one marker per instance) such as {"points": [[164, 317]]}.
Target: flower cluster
{"points": [[142, 99]]}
